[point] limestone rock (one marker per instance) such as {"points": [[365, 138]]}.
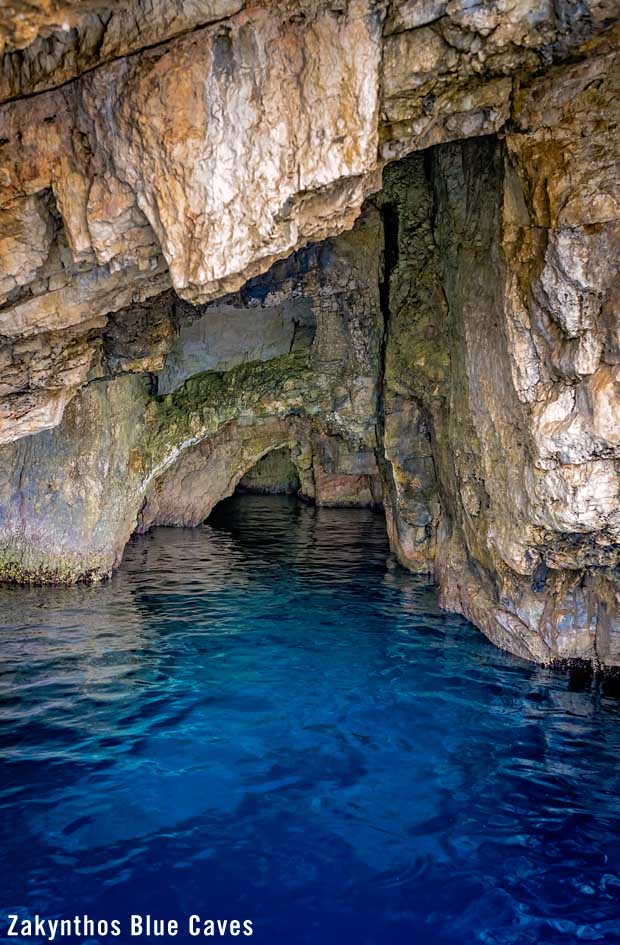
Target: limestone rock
{"points": [[63, 506], [155, 159], [93, 33], [70, 497], [21, 22], [188, 126], [518, 386], [225, 335], [209, 472], [176, 453], [25, 240], [184, 288], [165, 165], [448, 64], [344, 478]]}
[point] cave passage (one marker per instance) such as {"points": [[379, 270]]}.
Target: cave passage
{"points": [[309, 372], [274, 474], [386, 366]]}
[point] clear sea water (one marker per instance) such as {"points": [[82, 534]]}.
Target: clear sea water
{"points": [[267, 719]]}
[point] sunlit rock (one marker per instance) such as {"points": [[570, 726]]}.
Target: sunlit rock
{"points": [[379, 239]]}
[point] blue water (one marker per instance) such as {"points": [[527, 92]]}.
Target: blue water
{"points": [[267, 719]]}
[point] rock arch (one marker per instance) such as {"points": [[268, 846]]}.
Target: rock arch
{"points": [[190, 488]]}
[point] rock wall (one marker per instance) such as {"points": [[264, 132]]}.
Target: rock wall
{"points": [[500, 395], [274, 474], [149, 144], [382, 236], [194, 163]]}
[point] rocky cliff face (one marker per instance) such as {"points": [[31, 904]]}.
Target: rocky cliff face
{"points": [[381, 237], [504, 286]]}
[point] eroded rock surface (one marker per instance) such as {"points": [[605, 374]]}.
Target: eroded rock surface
{"points": [[274, 474], [500, 396], [193, 144], [184, 288], [170, 456]]}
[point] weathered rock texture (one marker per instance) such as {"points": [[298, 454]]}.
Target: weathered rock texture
{"points": [[179, 298], [501, 398], [71, 496], [195, 164], [193, 144]]}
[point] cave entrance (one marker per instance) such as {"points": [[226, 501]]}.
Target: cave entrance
{"points": [[269, 488], [273, 474]]}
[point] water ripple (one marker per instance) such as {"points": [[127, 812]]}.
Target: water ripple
{"points": [[266, 717]]}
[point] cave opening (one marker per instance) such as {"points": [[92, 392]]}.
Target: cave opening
{"points": [[262, 491], [375, 368], [309, 363], [273, 474]]}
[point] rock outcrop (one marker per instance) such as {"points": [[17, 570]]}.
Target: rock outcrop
{"points": [[383, 237], [192, 145], [500, 437]]}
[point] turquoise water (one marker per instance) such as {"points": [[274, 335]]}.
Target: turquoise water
{"points": [[267, 719]]}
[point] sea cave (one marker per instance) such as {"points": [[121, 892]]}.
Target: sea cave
{"points": [[310, 458]]}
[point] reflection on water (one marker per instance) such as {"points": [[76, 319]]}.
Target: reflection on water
{"points": [[267, 718]]}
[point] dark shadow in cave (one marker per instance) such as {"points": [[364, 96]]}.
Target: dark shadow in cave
{"points": [[274, 474]]}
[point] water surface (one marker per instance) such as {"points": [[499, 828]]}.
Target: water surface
{"points": [[266, 718]]}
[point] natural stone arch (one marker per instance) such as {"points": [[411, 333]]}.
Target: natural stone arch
{"points": [[204, 474], [186, 493], [71, 496]]}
